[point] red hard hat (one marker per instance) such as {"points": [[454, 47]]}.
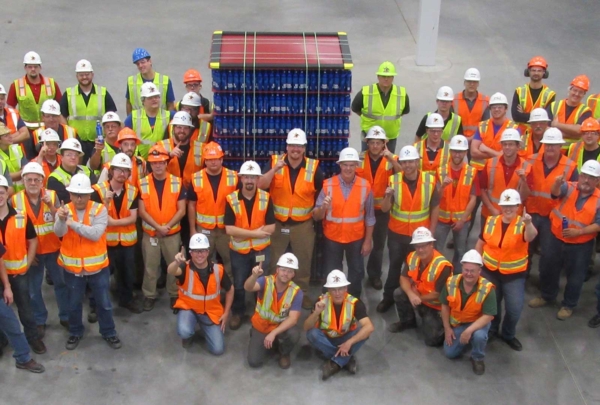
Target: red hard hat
{"points": [[191, 75], [581, 81], [538, 61], [212, 150], [590, 125]]}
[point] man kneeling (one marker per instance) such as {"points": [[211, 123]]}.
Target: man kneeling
{"points": [[200, 283]]}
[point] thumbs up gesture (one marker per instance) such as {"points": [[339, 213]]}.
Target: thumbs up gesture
{"points": [[63, 212], [46, 197]]}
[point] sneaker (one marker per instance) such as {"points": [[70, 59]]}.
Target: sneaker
{"points": [[384, 305], [41, 330], [402, 326], [478, 366], [149, 304], [537, 302], [235, 322], [594, 322], [92, 316], [284, 361], [376, 283], [113, 342], [307, 303], [73, 342], [32, 366], [329, 368], [352, 366], [38, 346], [564, 313], [186, 343]]}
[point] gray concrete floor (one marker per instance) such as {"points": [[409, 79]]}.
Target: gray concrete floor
{"points": [[560, 362]]}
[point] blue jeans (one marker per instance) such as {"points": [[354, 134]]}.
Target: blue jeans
{"points": [[511, 288], [542, 224], [99, 285], [61, 292], [122, 261], [460, 242], [398, 248], [186, 328], [333, 258], [478, 342], [241, 267], [11, 329], [329, 346], [20, 289]]}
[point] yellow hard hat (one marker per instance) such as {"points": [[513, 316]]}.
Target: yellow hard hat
{"points": [[387, 68]]}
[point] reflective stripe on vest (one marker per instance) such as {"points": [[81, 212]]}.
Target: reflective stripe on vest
{"points": [[16, 265], [243, 245], [418, 215], [455, 299], [211, 220], [468, 176], [349, 220], [135, 98], [28, 107], [190, 288], [263, 307], [310, 169], [592, 103], [346, 318]]}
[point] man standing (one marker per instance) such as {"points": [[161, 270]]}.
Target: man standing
{"points": [[127, 142], [345, 204], [382, 104], [424, 275], [338, 326], [82, 224], [293, 181], [249, 222], [51, 119], [433, 150], [48, 157], [84, 105], [185, 153], [141, 59], [193, 104], [161, 207], [278, 309], [107, 149], [413, 199], [470, 105], [193, 83], [587, 148], [10, 117], [468, 307], [30, 91], [12, 156], [451, 122], [376, 167], [531, 140], [200, 283], [70, 153]]}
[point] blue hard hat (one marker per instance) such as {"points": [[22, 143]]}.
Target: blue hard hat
{"points": [[139, 53]]}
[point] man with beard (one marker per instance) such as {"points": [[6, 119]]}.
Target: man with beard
{"points": [[127, 142], [194, 104], [433, 150], [142, 60], [185, 154], [587, 148], [470, 105]]}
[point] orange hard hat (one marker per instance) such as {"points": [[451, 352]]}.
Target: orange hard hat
{"points": [[127, 133], [538, 61], [191, 75], [581, 81], [590, 125], [157, 153], [212, 150]]}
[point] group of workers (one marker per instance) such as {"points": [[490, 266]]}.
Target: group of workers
{"points": [[85, 195]]}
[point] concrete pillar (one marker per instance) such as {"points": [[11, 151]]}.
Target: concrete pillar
{"points": [[429, 21]]}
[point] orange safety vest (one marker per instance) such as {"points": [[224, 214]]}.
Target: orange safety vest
{"points": [[210, 211], [576, 154], [194, 297], [78, 254], [48, 169], [472, 310], [527, 104], [540, 200], [203, 133], [441, 158], [592, 103], [379, 183], [138, 170], [298, 203], [578, 219], [454, 199], [330, 324], [270, 311], [48, 242], [527, 145], [162, 214], [193, 162], [559, 111], [345, 218], [11, 119], [126, 235], [470, 118], [411, 211], [490, 138], [68, 132], [259, 214], [511, 256], [15, 241], [496, 183], [426, 283]]}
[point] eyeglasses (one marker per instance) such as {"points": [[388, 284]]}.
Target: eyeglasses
{"points": [[34, 181], [70, 155], [121, 170], [201, 251], [193, 85], [285, 270]]}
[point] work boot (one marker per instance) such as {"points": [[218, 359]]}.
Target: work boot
{"points": [[594, 322], [186, 343], [92, 316], [284, 361], [113, 342], [64, 324], [32, 366], [37, 346], [352, 366], [514, 344], [41, 329], [384, 305], [235, 322], [402, 326], [307, 303], [329, 368], [73, 342], [148, 304], [537, 302], [478, 366], [134, 306], [564, 313], [376, 283]]}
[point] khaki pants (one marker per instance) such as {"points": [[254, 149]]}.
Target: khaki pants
{"points": [[301, 236], [219, 241], [168, 247]]}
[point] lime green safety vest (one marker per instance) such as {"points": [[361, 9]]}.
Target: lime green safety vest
{"points": [[65, 177], [450, 128], [148, 135], [594, 105], [12, 158], [134, 86], [83, 117], [373, 113], [28, 108]]}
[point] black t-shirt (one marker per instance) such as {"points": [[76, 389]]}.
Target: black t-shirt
{"points": [[204, 274], [590, 154], [523, 116], [214, 180], [249, 205], [182, 160], [61, 190], [374, 165], [2, 250], [160, 186], [360, 311], [117, 199], [29, 228], [441, 281], [568, 111]]}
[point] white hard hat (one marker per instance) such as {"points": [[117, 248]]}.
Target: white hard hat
{"points": [[434, 120], [149, 89], [111, 117], [199, 241], [553, 136], [349, 155], [121, 160], [473, 75], [182, 118], [49, 135], [71, 144], [33, 168], [83, 66], [510, 134], [421, 235], [288, 260], [250, 168], [510, 197], [445, 93], [538, 114], [32, 58], [2, 89], [591, 167], [472, 256], [80, 184], [376, 132], [191, 99], [459, 142], [498, 98], [336, 279], [3, 181], [408, 152], [50, 107], [296, 137]]}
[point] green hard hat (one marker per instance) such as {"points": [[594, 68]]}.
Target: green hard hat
{"points": [[387, 68]]}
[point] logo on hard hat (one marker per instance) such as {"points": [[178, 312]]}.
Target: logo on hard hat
{"points": [[123, 160], [459, 141], [296, 135], [32, 57], [406, 152], [155, 153], [249, 167], [507, 197], [198, 239], [52, 107], [376, 132], [109, 116], [190, 97], [435, 119], [290, 260], [446, 94], [83, 65], [76, 144], [386, 69], [151, 88], [336, 279]]}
